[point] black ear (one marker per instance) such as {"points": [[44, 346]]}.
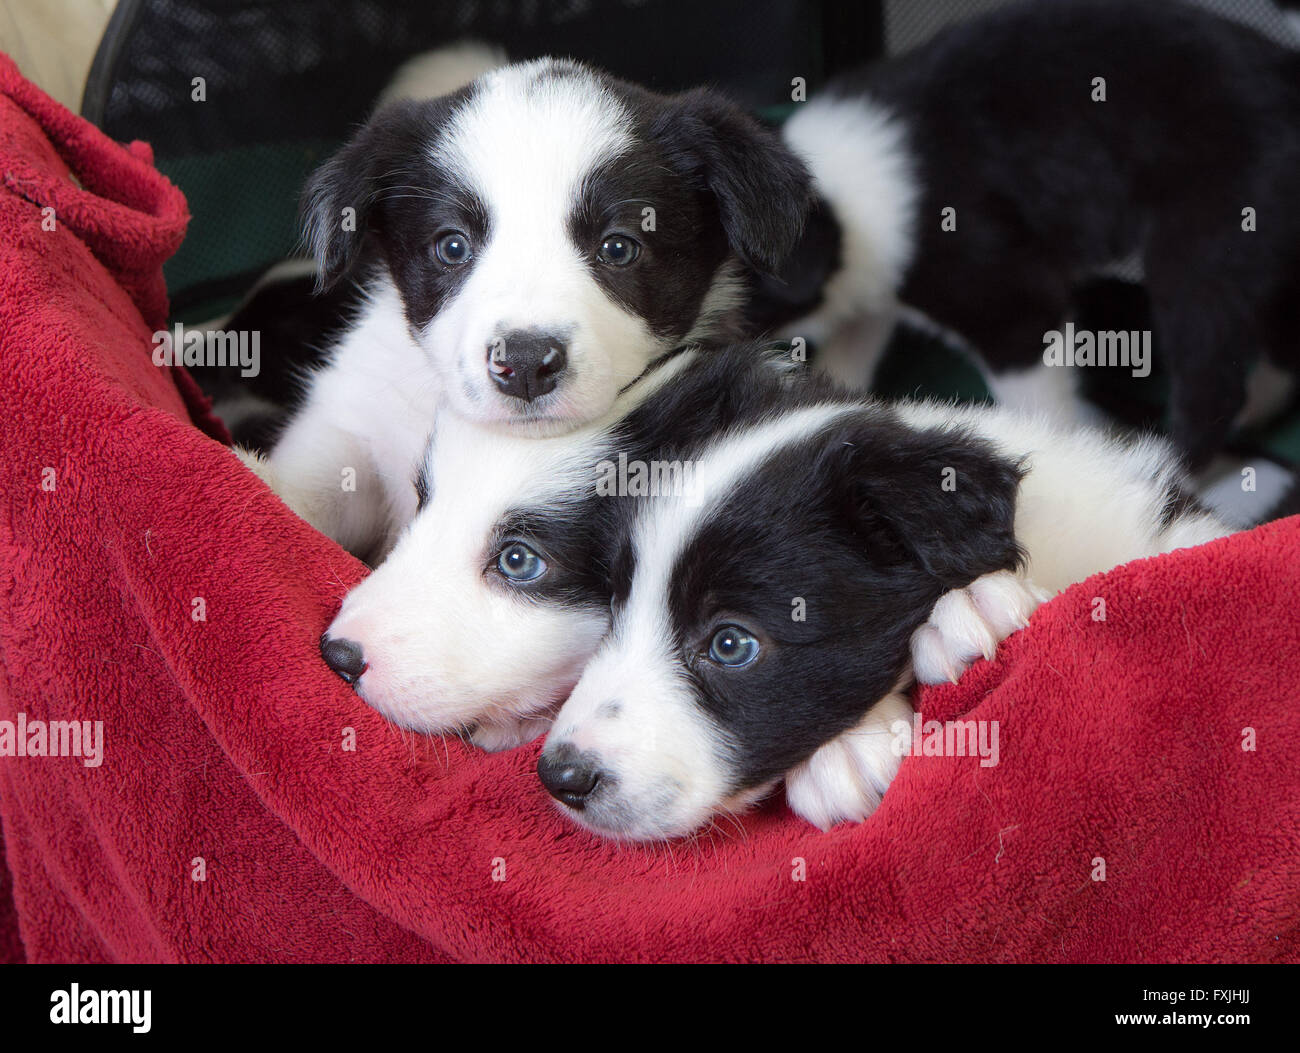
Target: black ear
{"points": [[795, 289], [762, 189], [339, 200], [946, 498]]}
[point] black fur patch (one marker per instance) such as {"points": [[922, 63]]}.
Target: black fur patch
{"points": [[856, 524], [1049, 184], [667, 283], [568, 538]]}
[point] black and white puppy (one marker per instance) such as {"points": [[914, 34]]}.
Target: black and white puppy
{"points": [[803, 554], [526, 245], [979, 177], [832, 549], [481, 618]]}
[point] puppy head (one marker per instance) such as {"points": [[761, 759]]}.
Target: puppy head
{"points": [[489, 605], [497, 593], [551, 230], [758, 625]]}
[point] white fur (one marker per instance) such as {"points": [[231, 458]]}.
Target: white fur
{"points": [[857, 152], [346, 459], [1040, 388]]}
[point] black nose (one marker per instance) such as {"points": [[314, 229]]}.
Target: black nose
{"points": [[567, 775], [344, 657], [525, 364]]}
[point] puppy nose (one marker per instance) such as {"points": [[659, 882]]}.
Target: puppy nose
{"points": [[344, 657], [526, 364], [568, 776]]}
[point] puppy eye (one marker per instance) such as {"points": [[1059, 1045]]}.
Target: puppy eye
{"points": [[618, 251], [733, 646], [518, 562], [452, 248]]}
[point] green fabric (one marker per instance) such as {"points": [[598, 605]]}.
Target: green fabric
{"points": [[245, 208]]}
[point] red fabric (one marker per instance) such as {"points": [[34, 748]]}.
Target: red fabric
{"points": [[1119, 739]]}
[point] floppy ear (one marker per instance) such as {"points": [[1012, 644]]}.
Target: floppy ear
{"points": [[338, 202], [762, 189], [795, 288], [946, 498]]}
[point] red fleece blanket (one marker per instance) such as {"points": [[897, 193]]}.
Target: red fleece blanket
{"points": [[246, 806]]}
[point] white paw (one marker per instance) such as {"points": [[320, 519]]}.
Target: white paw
{"points": [[969, 623], [510, 732], [845, 779], [256, 463], [297, 502]]}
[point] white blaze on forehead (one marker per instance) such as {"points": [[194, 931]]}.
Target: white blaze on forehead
{"points": [[664, 528], [528, 137]]}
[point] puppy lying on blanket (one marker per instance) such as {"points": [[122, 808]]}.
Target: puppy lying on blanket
{"points": [[811, 553]]}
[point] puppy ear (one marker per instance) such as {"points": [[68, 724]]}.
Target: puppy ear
{"points": [[762, 189], [943, 498], [794, 290], [339, 199]]}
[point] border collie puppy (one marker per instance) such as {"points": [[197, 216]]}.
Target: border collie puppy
{"points": [[1062, 136], [833, 549], [482, 617], [526, 246]]}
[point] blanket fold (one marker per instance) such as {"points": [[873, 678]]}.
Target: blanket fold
{"points": [[219, 795]]}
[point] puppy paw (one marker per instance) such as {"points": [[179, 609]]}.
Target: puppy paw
{"points": [[256, 463], [969, 623], [509, 732], [260, 465], [846, 778]]}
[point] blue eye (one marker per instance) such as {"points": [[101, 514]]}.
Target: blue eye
{"points": [[733, 646], [518, 562], [618, 251], [452, 248]]}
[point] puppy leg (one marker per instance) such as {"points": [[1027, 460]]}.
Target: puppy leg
{"points": [[326, 478], [851, 352], [969, 623], [846, 778], [1205, 290]]}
